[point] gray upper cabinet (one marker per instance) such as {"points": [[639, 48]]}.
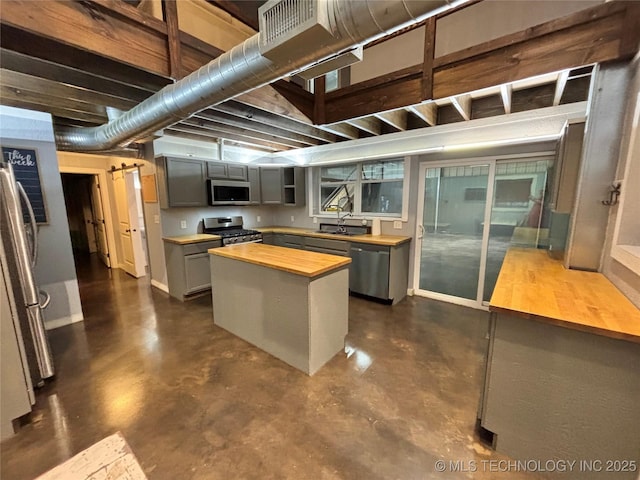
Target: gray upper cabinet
{"points": [[181, 182], [226, 171], [294, 186], [271, 181], [283, 186], [254, 182]]}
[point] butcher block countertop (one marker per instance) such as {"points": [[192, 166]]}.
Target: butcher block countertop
{"points": [[388, 240], [299, 262], [533, 285], [196, 238]]}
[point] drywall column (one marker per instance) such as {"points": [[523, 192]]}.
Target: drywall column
{"points": [[155, 246], [607, 105], [55, 270]]}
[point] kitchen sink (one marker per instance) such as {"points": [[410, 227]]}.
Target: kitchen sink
{"points": [[346, 234]]}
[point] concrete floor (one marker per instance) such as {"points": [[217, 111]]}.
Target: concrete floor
{"points": [[195, 402]]}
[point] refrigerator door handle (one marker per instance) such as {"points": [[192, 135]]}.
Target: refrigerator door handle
{"points": [[47, 299], [32, 221]]}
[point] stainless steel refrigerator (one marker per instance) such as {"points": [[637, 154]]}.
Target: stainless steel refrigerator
{"points": [[20, 242]]}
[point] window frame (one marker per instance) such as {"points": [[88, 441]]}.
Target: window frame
{"points": [[316, 204]]}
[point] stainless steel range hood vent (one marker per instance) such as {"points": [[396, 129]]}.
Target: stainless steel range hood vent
{"points": [[295, 34]]}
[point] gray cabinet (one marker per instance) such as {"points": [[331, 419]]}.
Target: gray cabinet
{"points": [[294, 191], [227, 171], [283, 186], [253, 174], [271, 182], [188, 270], [377, 271], [181, 182], [326, 245]]}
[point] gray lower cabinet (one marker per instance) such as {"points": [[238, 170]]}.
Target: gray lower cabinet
{"points": [[181, 182], [325, 245], [377, 271], [188, 270]]}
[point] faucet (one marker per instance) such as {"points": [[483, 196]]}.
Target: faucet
{"points": [[342, 228]]}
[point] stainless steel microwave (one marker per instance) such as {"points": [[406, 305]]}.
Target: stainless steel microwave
{"points": [[226, 192]]}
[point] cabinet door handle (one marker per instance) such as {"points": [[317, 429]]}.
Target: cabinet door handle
{"points": [[356, 249]]}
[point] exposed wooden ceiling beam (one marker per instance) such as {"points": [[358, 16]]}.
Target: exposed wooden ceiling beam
{"points": [[267, 98], [245, 10], [62, 74], [367, 124], [13, 99], [245, 124], [427, 112], [388, 92], [241, 110], [597, 34], [209, 133], [170, 132], [561, 83], [343, 129], [505, 93], [396, 118], [83, 24], [60, 92], [222, 129]]}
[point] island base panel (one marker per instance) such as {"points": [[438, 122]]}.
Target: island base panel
{"points": [[300, 320]]}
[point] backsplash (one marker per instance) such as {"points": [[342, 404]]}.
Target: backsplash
{"points": [[173, 217]]}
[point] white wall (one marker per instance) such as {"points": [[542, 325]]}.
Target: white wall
{"points": [[473, 25], [55, 270]]}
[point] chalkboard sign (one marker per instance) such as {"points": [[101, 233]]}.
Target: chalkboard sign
{"points": [[25, 168]]}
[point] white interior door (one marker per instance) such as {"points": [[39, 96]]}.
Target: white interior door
{"points": [[128, 225], [99, 222]]}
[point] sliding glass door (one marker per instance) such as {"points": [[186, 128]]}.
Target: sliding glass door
{"points": [[469, 214]]}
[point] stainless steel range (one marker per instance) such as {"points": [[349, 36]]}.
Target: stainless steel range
{"points": [[230, 229]]}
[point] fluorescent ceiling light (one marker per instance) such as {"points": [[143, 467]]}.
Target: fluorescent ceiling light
{"points": [[495, 143], [334, 63]]}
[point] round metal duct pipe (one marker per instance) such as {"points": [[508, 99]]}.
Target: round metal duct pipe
{"points": [[244, 68]]}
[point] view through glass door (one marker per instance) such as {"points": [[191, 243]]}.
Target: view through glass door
{"points": [[469, 215]]}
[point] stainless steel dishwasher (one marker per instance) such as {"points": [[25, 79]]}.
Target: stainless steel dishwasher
{"points": [[369, 273]]}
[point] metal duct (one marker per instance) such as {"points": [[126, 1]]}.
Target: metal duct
{"points": [[244, 68]]}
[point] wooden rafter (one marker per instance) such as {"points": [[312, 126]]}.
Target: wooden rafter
{"points": [[395, 118], [170, 13], [427, 112], [561, 83], [505, 94], [462, 104], [367, 124], [343, 129]]}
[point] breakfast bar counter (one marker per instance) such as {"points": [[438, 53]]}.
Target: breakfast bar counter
{"points": [[290, 303], [563, 367]]}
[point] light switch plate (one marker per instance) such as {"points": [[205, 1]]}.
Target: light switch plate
{"points": [[183, 224], [315, 219], [293, 219], [156, 219], [258, 219], [397, 224]]}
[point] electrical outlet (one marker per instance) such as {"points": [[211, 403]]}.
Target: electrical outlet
{"points": [[397, 224], [293, 219], [156, 219], [315, 219], [183, 224], [258, 219]]}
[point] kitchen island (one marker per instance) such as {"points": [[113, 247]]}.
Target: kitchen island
{"points": [[290, 303], [563, 368]]}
